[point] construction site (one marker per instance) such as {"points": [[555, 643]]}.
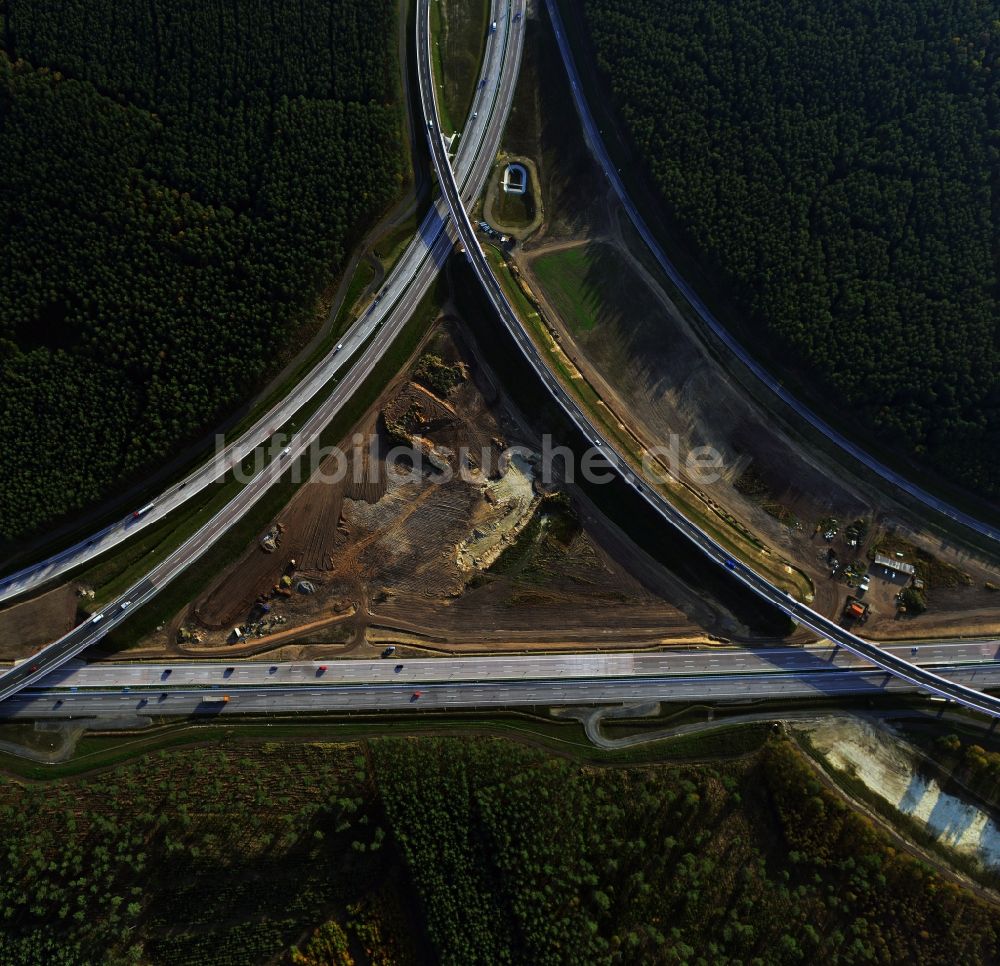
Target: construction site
{"points": [[431, 530], [615, 325]]}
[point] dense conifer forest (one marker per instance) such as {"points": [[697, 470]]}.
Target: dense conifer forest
{"points": [[463, 852], [835, 167], [179, 180]]}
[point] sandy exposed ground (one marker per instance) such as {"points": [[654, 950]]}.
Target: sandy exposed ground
{"points": [[462, 551], [890, 767]]}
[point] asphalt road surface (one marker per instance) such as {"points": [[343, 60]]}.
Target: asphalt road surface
{"points": [[319, 697], [492, 102], [413, 671], [596, 143], [475, 151], [824, 627]]}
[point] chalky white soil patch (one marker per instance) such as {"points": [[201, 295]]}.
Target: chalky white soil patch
{"points": [[888, 766]]}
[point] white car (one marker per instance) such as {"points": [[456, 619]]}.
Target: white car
{"points": [[125, 604], [285, 451], [340, 345]]}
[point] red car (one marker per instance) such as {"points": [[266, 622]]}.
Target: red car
{"points": [[416, 694]]}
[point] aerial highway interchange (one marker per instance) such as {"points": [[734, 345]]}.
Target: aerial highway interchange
{"points": [[368, 340], [956, 671], [796, 610]]}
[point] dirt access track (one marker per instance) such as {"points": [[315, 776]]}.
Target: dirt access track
{"points": [[613, 316]]}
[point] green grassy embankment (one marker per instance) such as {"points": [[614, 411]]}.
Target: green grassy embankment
{"points": [[459, 29], [726, 530]]}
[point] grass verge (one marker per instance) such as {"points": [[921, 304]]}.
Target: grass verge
{"points": [[735, 538], [459, 29], [565, 738]]}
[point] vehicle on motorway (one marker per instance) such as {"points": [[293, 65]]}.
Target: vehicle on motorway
{"points": [[340, 345], [430, 124], [176, 564], [96, 619], [321, 669], [416, 695], [143, 509], [167, 671], [730, 563], [398, 668], [389, 651], [285, 451], [59, 701], [215, 699], [493, 27], [126, 604], [475, 114]]}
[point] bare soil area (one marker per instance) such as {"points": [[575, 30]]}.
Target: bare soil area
{"points": [[892, 769], [623, 331], [439, 538], [24, 628]]}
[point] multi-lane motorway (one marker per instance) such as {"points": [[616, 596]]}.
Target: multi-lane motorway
{"points": [[475, 151], [953, 670], [919, 677], [376, 332], [412, 671], [596, 144], [146, 690]]}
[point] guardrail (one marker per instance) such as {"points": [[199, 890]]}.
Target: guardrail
{"points": [[824, 627]]}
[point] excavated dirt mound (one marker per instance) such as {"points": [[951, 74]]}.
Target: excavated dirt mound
{"points": [[450, 544]]}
